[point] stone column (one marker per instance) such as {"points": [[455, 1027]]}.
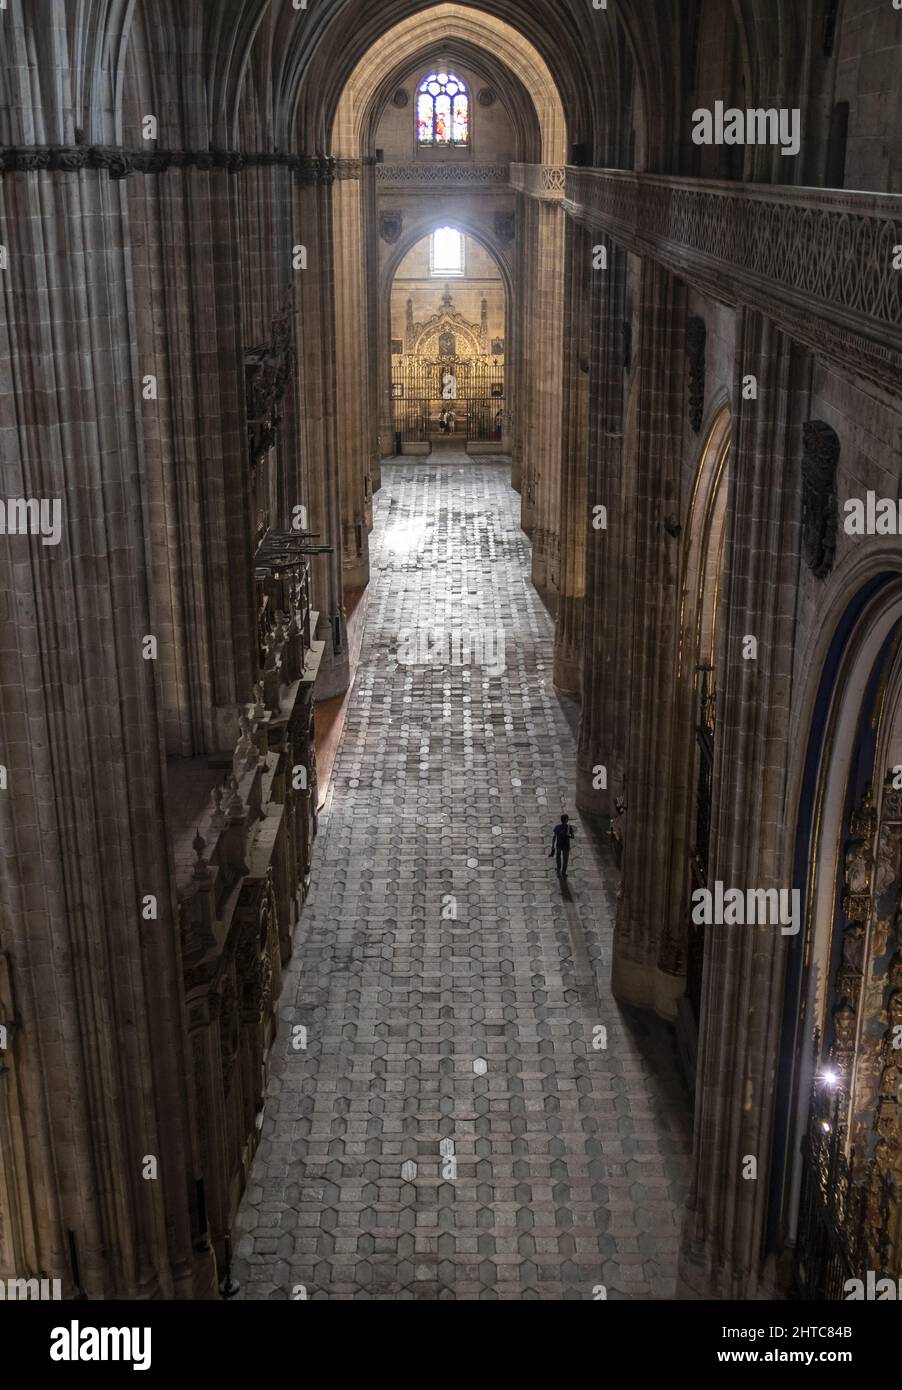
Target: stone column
{"points": [[354, 419], [378, 341], [190, 355], [653, 462], [319, 423], [573, 506], [523, 314], [95, 966], [270, 289], [541, 406], [744, 966], [604, 676]]}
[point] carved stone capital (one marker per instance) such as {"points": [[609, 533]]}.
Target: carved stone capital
{"points": [[119, 162], [348, 168]]}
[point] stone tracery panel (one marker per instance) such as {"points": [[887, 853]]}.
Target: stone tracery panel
{"points": [[426, 338], [438, 175], [546, 182]]}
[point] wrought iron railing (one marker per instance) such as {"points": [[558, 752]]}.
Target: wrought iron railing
{"points": [[471, 388]]}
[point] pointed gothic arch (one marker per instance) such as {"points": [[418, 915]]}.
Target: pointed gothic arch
{"points": [[836, 1173], [695, 703]]}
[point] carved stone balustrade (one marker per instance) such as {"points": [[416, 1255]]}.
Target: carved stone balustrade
{"points": [[818, 262], [546, 182], [444, 175]]}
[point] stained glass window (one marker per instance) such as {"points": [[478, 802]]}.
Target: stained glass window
{"points": [[443, 110]]}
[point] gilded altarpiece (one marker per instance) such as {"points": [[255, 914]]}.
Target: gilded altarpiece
{"points": [[850, 1217], [447, 366]]}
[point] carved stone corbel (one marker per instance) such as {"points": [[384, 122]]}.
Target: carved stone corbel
{"points": [[696, 340], [505, 226], [819, 462], [391, 226]]}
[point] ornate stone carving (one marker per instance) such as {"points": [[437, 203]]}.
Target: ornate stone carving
{"points": [[119, 162], [201, 870], [246, 756], [229, 1031], [545, 182], [505, 226], [445, 174], [348, 168], [696, 340], [268, 370], [314, 169], [401, 98], [843, 1035], [858, 879], [235, 807], [446, 334], [859, 861], [391, 226], [804, 257], [819, 463]]}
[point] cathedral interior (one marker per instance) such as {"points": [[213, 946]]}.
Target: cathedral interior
{"points": [[420, 422]]}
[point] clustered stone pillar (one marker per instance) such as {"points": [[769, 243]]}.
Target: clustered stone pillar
{"points": [[318, 421], [518, 364], [545, 345], [654, 566], [605, 686], [354, 421], [89, 929], [744, 967], [573, 505], [188, 332]]}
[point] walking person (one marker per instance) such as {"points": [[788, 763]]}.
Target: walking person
{"points": [[560, 845]]}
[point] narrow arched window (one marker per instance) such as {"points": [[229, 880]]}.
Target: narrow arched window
{"points": [[446, 252], [443, 110]]}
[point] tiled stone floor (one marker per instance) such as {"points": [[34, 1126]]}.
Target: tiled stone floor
{"points": [[451, 991]]}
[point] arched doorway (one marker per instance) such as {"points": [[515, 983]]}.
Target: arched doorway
{"points": [[842, 1160], [388, 185], [447, 314]]}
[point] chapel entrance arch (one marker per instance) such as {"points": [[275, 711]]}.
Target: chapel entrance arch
{"points": [[692, 849], [446, 367], [838, 1156]]}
